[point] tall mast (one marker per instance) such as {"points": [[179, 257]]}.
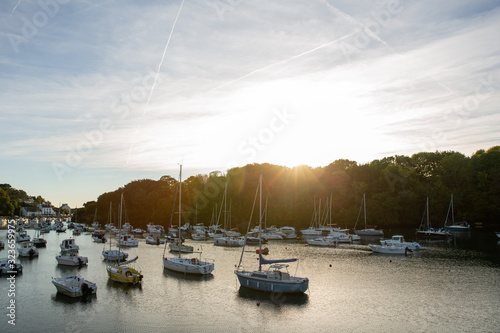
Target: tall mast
{"points": [[364, 207], [260, 222], [180, 197], [428, 222]]}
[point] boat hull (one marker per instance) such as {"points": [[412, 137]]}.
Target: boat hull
{"points": [[114, 255], [369, 232], [388, 249], [74, 261], [249, 280], [74, 286], [124, 274], [188, 266]]}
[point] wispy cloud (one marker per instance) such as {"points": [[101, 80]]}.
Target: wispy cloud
{"points": [[95, 65]]}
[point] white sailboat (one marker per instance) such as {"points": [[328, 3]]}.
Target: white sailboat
{"points": [[276, 278], [460, 226], [368, 230], [113, 255], [186, 265], [425, 231]]}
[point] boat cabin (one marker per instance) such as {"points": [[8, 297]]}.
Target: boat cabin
{"points": [[69, 244]]}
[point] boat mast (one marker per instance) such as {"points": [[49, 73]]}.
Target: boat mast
{"points": [[428, 221], [180, 197], [260, 223], [364, 207]]}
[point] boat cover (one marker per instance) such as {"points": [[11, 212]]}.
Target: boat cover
{"points": [[268, 262]]}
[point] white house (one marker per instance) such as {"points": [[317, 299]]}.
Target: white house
{"points": [[46, 209]]}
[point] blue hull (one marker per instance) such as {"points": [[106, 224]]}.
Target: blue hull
{"points": [[276, 286]]}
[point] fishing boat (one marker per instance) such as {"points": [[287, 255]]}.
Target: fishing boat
{"points": [[27, 249], [22, 236], [99, 236], [368, 230], [399, 240], [186, 265], [388, 249], [128, 241], [69, 244], [425, 231], [455, 227], [71, 258], [123, 272], [154, 240], [74, 286], [39, 241], [276, 278], [10, 267]]}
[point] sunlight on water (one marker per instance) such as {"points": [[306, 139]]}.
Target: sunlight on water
{"points": [[442, 289]]}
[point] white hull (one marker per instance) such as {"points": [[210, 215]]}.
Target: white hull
{"points": [[388, 249], [369, 232], [229, 242], [74, 286], [182, 248], [114, 255], [71, 260], [279, 283], [322, 242], [188, 265]]}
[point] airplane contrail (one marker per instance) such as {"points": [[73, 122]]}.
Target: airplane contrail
{"points": [[156, 78], [282, 61], [13, 9]]}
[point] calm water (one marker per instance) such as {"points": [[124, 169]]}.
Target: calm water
{"points": [[452, 287]]}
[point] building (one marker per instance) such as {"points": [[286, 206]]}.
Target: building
{"points": [[46, 209], [30, 212]]}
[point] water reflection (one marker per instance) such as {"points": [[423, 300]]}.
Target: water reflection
{"points": [[273, 298], [65, 299], [71, 270], [123, 287], [187, 277]]}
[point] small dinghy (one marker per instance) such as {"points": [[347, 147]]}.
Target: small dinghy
{"points": [[74, 286]]}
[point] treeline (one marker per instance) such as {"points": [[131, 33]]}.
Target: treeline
{"points": [[12, 199], [396, 190]]}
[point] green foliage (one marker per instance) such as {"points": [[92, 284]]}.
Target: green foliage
{"points": [[6, 206], [396, 188]]}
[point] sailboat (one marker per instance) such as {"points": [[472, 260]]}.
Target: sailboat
{"points": [[186, 265], [276, 278], [461, 226], [123, 272], [112, 255], [368, 230], [39, 241], [230, 238], [426, 232]]}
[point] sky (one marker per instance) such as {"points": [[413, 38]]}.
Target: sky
{"points": [[95, 94]]}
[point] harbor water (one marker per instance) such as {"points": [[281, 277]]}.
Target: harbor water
{"points": [[448, 287]]}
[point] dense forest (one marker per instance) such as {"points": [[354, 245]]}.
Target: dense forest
{"points": [[396, 190]]}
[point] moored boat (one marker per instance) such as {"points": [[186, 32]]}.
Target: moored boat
{"points": [[74, 286], [276, 279], [185, 265]]}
